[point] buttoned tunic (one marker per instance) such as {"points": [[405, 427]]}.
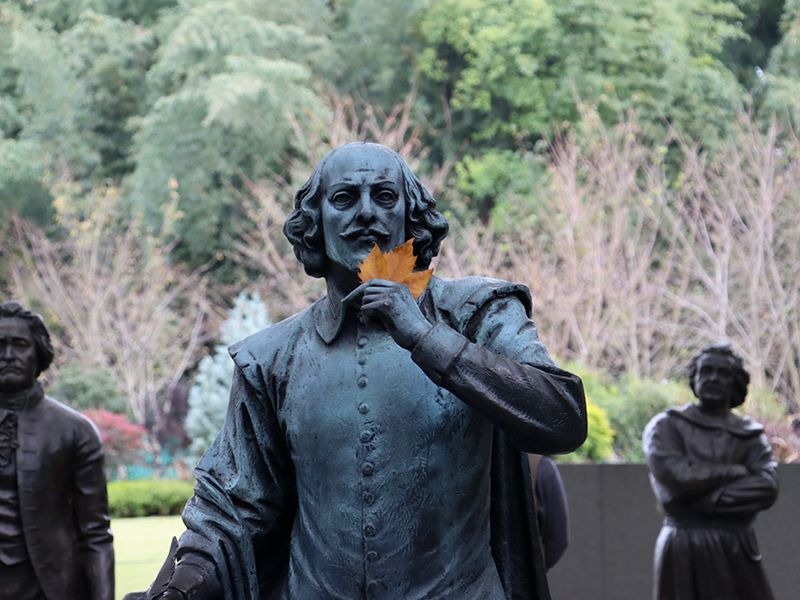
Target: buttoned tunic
{"points": [[381, 457]]}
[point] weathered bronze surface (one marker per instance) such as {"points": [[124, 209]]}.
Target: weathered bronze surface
{"points": [[373, 443], [55, 540], [712, 471]]}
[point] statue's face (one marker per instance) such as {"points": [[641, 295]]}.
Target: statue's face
{"points": [[715, 381], [17, 356], [363, 203]]}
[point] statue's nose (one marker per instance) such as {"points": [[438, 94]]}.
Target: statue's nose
{"points": [[366, 207]]}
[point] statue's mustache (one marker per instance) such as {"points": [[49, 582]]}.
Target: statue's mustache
{"points": [[363, 232]]}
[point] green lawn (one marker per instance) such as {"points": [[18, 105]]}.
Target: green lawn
{"points": [[140, 547]]}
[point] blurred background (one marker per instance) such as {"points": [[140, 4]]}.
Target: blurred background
{"points": [[635, 162]]}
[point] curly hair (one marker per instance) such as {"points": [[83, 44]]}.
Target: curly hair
{"points": [[741, 376], [303, 228], [41, 337]]}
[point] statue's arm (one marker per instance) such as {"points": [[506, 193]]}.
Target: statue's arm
{"points": [[239, 516], [502, 369], [756, 491], [681, 475], [90, 507]]}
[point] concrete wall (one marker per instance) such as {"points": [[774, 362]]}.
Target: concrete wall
{"points": [[614, 524]]}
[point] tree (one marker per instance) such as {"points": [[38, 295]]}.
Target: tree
{"points": [[633, 272], [208, 396], [122, 440], [225, 84], [782, 80], [114, 300], [89, 388], [376, 46], [67, 100], [510, 75]]}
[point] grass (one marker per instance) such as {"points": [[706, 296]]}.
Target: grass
{"points": [[140, 547]]}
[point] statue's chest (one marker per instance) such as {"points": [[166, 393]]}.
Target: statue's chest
{"points": [[713, 445], [364, 390]]}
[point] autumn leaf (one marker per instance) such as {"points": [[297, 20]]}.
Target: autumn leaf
{"points": [[396, 265]]}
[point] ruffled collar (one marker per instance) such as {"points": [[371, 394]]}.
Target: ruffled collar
{"points": [[731, 422], [19, 401]]}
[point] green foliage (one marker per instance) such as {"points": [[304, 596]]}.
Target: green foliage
{"points": [[492, 62], [110, 58], [51, 100], [782, 80], [502, 186], [86, 388], [512, 71], [63, 14], [67, 99], [22, 189], [746, 56], [630, 403], [147, 497], [225, 89], [599, 444], [375, 45], [763, 405]]}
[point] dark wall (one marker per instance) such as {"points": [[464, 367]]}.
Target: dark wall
{"points": [[614, 524]]}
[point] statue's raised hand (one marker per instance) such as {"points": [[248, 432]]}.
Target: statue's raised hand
{"points": [[394, 306]]}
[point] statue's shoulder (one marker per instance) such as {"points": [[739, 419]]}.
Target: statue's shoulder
{"points": [[67, 417], [666, 420], [264, 345], [738, 425], [462, 298]]}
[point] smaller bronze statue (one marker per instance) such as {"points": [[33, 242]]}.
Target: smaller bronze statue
{"points": [[55, 541], [712, 471]]}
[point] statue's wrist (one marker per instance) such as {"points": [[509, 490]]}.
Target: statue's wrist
{"points": [[420, 331], [193, 579]]}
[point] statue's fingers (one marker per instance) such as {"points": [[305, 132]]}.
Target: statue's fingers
{"points": [[356, 294]]}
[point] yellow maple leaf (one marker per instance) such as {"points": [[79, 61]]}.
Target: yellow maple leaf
{"points": [[396, 265]]}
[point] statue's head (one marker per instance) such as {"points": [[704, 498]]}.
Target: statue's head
{"points": [[25, 347], [717, 377], [361, 194]]}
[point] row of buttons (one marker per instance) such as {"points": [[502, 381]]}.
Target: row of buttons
{"points": [[365, 437]]}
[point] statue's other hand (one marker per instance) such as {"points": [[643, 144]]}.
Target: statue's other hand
{"points": [[135, 596], [393, 304]]}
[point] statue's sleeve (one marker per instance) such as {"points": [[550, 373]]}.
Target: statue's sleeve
{"points": [[243, 503], [753, 493], [500, 367], [90, 506], [677, 474]]}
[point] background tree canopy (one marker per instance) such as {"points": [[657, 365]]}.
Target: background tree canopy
{"points": [[583, 132]]}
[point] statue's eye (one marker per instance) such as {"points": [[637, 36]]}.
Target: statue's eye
{"points": [[342, 198], [387, 197]]}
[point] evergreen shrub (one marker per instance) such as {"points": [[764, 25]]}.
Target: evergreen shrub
{"points": [[599, 444], [148, 497]]}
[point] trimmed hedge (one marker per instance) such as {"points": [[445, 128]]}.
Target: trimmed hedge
{"points": [[147, 497]]}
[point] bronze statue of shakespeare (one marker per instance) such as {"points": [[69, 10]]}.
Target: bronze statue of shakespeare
{"points": [[373, 444], [712, 471], [55, 541]]}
